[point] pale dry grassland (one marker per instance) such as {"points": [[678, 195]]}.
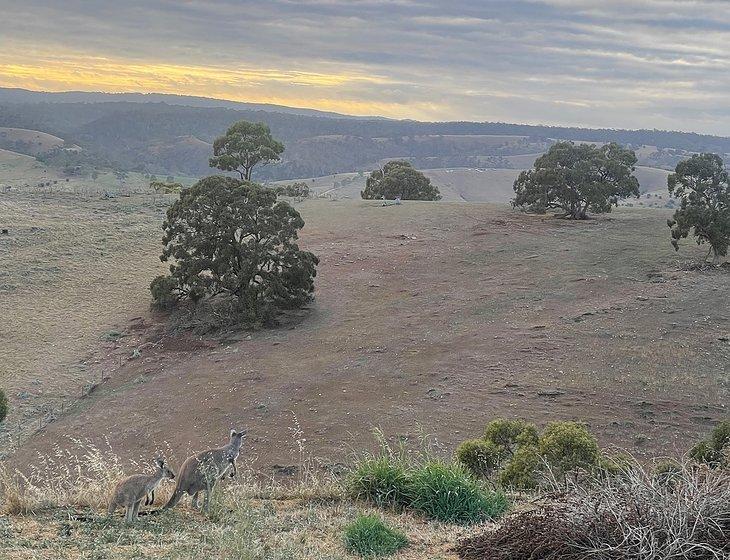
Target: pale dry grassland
{"points": [[58, 512]]}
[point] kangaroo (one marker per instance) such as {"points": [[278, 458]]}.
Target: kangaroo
{"points": [[201, 472], [130, 492]]}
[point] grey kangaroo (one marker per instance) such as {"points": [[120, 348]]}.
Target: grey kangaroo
{"points": [[130, 492], [201, 472]]}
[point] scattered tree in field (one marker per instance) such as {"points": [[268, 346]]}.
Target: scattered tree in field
{"points": [[299, 189], [398, 179], [3, 405], [703, 187], [230, 237], [243, 146], [577, 179]]}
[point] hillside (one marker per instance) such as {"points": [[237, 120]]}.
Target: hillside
{"points": [[430, 317], [163, 135], [29, 142]]}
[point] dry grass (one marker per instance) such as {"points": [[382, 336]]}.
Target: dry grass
{"points": [[58, 511], [632, 515]]}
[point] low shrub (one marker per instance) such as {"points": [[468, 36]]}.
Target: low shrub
{"points": [[715, 450], [520, 472], [163, 290], [369, 536], [666, 472], [447, 492], [479, 456], [383, 481], [614, 464], [567, 447], [509, 434], [3, 405]]}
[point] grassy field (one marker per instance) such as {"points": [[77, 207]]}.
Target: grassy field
{"points": [[462, 184], [429, 317]]}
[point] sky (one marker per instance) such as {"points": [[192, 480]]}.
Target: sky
{"points": [[613, 63]]}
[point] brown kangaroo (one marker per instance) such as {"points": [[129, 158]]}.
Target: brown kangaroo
{"points": [[130, 492], [201, 472]]}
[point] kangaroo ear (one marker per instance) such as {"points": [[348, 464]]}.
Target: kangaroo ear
{"points": [[160, 462], [233, 433], [242, 433]]}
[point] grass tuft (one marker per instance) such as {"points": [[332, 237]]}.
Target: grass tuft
{"points": [[447, 492], [369, 536]]}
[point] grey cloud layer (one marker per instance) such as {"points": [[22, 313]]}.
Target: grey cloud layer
{"points": [[621, 63]]}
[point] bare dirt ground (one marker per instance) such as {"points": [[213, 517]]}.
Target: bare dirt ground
{"points": [[429, 317]]}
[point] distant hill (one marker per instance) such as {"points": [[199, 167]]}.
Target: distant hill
{"points": [[18, 95], [174, 136]]}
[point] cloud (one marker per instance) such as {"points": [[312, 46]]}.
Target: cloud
{"points": [[638, 63]]}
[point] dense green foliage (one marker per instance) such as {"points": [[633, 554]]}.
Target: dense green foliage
{"points": [[577, 178], [398, 179], [232, 238], [515, 453], [244, 146], [568, 446], [715, 450], [369, 536], [300, 189], [3, 405], [441, 490], [702, 185], [480, 457], [383, 481], [520, 472], [447, 492]]}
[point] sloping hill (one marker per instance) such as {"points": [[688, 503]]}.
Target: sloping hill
{"points": [[433, 316], [29, 142]]}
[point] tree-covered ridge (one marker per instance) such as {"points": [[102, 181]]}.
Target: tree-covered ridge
{"points": [[161, 138]]}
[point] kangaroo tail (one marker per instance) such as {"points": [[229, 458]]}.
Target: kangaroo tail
{"points": [[174, 499]]}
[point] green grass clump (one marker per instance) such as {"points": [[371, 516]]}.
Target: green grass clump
{"points": [[368, 536], [447, 492], [383, 481]]}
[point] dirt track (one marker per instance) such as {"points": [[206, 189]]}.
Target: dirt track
{"points": [[437, 317]]}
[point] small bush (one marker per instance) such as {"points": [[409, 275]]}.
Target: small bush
{"points": [[667, 472], [507, 434], [714, 450], [614, 465], [447, 492], [368, 536], [520, 472], [480, 457], [163, 289], [568, 446], [3, 405], [383, 481]]}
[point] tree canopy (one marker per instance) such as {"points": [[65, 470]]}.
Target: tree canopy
{"points": [[703, 187], [232, 237], [578, 178], [243, 146], [398, 179]]}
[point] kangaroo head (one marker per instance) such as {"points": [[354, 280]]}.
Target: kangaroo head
{"points": [[236, 439], [167, 472]]}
